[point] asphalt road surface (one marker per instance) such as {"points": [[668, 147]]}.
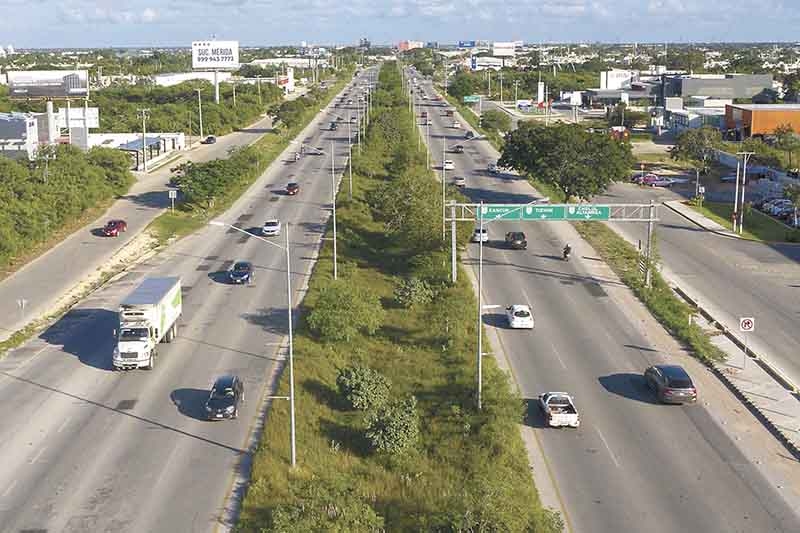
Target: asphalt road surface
{"points": [[85, 448], [739, 278], [633, 465]]}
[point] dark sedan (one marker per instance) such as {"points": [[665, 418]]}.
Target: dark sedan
{"points": [[516, 240], [226, 396], [292, 188], [241, 273]]}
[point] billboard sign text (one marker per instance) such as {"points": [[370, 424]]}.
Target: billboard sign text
{"points": [[215, 55], [466, 44], [48, 84]]}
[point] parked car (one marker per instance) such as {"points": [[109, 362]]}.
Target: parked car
{"points": [[241, 273], [271, 228], [209, 140], [671, 384], [292, 188], [458, 149], [779, 205], [519, 316], [114, 227], [660, 182], [480, 235], [516, 240], [449, 165], [226, 395], [460, 182]]}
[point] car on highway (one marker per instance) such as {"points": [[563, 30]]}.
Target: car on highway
{"points": [[458, 149], [455, 124], [460, 182], [671, 384], [334, 126], [271, 228], [662, 181], [241, 273], [226, 395], [480, 235], [642, 178], [559, 410], [114, 227], [492, 168], [449, 165], [519, 316], [516, 240], [469, 135], [292, 188], [209, 140]]}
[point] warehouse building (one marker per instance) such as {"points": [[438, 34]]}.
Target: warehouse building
{"points": [[748, 120], [715, 85]]}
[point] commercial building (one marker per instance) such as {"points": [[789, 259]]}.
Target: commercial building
{"points": [[405, 46], [715, 85], [748, 120], [19, 135], [168, 80]]}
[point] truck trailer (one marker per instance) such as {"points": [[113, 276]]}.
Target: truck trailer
{"points": [[147, 317]]}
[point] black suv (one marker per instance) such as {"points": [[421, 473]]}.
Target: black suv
{"points": [[458, 149], [516, 240], [242, 272], [671, 384], [226, 395]]}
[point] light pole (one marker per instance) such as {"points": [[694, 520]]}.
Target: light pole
{"points": [[444, 208], [745, 157], [428, 140], [144, 113], [350, 157], [501, 88], [516, 88], [292, 433], [333, 198], [200, 112]]}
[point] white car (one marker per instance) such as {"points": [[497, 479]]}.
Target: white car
{"points": [[271, 228], [519, 317], [492, 168], [449, 165], [480, 235], [460, 181], [456, 124]]}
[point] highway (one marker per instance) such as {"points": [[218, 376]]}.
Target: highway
{"points": [[633, 465], [89, 449]]}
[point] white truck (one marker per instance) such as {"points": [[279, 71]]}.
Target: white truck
{"points": [[148, 316], [559, 410]]}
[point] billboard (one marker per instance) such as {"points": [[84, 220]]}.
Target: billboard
{"points": [[212, 55], [466, 44], [48, 84], [503, 49], [76, 117]]}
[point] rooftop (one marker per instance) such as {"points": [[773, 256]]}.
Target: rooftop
{"points": [[768, 107]]}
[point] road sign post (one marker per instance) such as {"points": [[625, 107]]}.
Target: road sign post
{"points": [[172, 195], [747, 324], [472, 99]]}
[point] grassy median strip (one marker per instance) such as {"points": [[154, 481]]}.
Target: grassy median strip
{"points": [[230, 177], [673, 313], [757, 225], [409, 452]]}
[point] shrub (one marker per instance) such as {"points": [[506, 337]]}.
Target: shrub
{"points": [[413, 291], [343, 310], [394, 427], [363, 388]]}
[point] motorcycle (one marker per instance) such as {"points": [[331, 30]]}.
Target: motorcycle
{"points": [[296, 156], [566, 252]]}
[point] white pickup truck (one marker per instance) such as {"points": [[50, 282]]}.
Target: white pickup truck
{"points": [[559, 409]]}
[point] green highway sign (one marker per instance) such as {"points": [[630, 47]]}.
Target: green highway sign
{"points": [[543, 212], [588, 212], [505, 212], [472, 99]]}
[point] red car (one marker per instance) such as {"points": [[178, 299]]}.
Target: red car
{"points": [[114, 227], [292, 188]]}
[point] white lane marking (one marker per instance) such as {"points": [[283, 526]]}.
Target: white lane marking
{"points": [[602, 438], [63, 424], [558, 356], [38, 455], [9, 489]]}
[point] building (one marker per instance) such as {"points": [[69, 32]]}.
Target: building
{"points": [[715, 85], [168, 80], [19, 135], [748, 120], [617, 79], [405, 46], [295, 62]]}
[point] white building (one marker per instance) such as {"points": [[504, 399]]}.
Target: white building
{"points": [[617, 79], [168, 80], [296, 62], [19, 135]]}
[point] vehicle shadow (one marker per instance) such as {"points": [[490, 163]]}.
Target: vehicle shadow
{"points": [[220, 276], [98, 232], [533, 416], [87, 334], [496, 320], [627, 385], [190, 402]]}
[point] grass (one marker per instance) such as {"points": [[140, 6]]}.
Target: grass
{"points": [[673, 313], [757, 225], [467, 465], [185, 220]]}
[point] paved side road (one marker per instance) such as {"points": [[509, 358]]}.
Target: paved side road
{"points": [[43, 283]]}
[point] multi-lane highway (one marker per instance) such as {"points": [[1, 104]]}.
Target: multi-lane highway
{"points": [[85, 448], [634, 465]]}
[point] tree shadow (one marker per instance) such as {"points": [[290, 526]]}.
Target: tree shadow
{"points": [[87, 333], [191, 402], [150, 199], [273, 320], [345, 436], [627, 385], [324, 394]]}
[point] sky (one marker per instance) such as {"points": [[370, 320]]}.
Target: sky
{"points": [[150, 23]]}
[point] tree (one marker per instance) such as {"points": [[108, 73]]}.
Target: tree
{"points": [[787, 140], [460, 86], [344, 310], [620, 115], [363, 388], [579, 163], [394, 427], [323, 505], [495, 120], [696, 145]]}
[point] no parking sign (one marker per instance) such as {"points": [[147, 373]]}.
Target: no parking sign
{"points": [[747, 324]]}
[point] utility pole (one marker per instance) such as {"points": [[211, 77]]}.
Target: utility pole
{"points": [[745, 157], [480, 304], [234, 94], [516, 87], [453, 262], [350, 158], [200, 111], [428, 139], [444, 207], [333, 197], [143, 113], [501, 88], [258, 85]]}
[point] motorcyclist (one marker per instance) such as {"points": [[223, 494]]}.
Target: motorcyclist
{"points": [[567, 251], [297, 156]]}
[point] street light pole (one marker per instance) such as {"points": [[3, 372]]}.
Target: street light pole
{"points": [[144, 113], [428, 141], [480, 305], [200, 112], [746, 157], [333, 197], [444, 208], [350, 158], [292, 427]]}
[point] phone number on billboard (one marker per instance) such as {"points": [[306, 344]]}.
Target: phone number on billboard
{"points": [[215, 59]]}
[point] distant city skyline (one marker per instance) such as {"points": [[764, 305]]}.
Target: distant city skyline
{"points": [[144, 23]]}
